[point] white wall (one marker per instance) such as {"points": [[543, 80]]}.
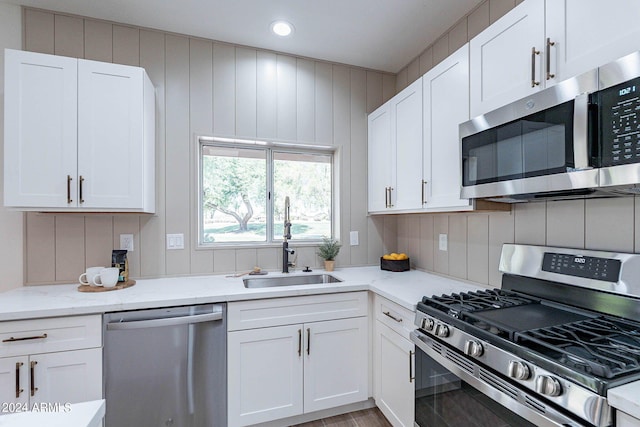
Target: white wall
{"points": [[11, 223]]}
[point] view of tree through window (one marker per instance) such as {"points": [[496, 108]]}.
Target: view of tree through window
{"points": [[235, 189]]}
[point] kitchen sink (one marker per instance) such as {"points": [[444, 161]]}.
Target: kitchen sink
{"points": [[307, 279]]}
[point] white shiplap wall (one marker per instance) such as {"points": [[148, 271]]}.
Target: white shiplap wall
{"points": [[206, 87]]}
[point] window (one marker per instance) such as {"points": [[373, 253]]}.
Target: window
{"points": [[243, 186]]}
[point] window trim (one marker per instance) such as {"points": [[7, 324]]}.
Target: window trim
{"points": [[270, 146]]}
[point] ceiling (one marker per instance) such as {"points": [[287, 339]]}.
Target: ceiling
{"points": [[382, 35]]}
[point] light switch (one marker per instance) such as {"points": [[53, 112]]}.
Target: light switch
{"points": [[353, 238], [175, 241], [442, 242]]}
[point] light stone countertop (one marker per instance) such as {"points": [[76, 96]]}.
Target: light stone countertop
{"points": [[405, 288], [85, 414], [625, 398]]}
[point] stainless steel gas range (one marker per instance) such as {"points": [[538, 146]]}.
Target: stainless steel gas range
{"points": [[543, 350]]}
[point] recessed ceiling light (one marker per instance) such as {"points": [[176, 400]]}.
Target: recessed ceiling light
{"points": [[282, 28]]}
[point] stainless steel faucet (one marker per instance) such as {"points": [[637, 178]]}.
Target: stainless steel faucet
{"points": [[287, 235]]}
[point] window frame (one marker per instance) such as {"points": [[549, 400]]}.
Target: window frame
{"points": [[269, 147]]}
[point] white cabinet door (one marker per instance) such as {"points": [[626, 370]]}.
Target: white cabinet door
{"points": [[264, 368], [504, 68], [379, 158], [110, 135], [336, 368], [68, 376], [406, 138], [393, 376], [446, 101], [14, 381], [589, 33], [40, 130]]}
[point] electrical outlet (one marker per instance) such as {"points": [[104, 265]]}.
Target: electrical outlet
{"points": [[353, 238], [175, 241], [126, 242], [442, 242]]}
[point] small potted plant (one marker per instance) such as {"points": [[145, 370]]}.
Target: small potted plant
{"points": [[328, 251]]}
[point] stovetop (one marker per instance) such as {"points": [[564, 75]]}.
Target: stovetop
{"points": [[584, 343]]}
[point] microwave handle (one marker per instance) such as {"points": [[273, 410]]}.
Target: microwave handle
{"points": [[581, 132]]}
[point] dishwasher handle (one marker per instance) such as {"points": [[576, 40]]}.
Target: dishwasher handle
{"points": [[167, 321]]}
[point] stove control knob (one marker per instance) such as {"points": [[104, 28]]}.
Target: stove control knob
{"points": [[519, 370], [428, 324], [442, 330], [473, 348], [548, 386]]}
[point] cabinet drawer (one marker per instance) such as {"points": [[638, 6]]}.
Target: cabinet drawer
{"points": [[287, 311], [35, 336], [394, 316]]}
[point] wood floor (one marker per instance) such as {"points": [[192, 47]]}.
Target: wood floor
{"points": [[365, 418]]}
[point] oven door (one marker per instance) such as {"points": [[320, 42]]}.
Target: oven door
{"points": [[453, 390], [536, 145]]}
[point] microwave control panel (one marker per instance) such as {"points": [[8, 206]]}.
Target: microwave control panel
{"points": [[620, 123]]}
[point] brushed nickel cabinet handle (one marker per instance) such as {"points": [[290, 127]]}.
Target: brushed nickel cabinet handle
{"points": [[548, 58], [388, 314], [299, 342], [424, 200], [534, 52], [18, 389], [36, 337], [69, 179], [411, 373], [33, 378], [390, 189], [80, 195], [308, 341]]}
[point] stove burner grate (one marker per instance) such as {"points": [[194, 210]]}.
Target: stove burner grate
{"points": [[600, 346], [455, 304]]}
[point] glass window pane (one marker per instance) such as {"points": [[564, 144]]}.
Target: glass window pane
{"points": [[234, 189], [306, 179]]}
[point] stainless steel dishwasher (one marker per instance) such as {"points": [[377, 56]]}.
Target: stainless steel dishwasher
{"points": [[166, 367]]}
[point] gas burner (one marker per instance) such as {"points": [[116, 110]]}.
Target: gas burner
{"points": [[601, 346]]}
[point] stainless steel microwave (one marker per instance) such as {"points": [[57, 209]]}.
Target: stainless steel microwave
{"points": [[579, 138]]}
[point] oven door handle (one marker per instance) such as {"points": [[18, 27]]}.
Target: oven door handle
{"points": [[468, 371]]}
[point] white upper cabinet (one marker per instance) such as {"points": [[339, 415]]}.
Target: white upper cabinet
{"points": [[79, 135], [395, 152], [406, 138], [446, 105], [540, 43], [589, 33], [506, 58], [379, 153], [41, 121]]}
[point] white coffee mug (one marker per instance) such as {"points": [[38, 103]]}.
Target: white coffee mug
{"points": [[89, 275], [107, 277]]}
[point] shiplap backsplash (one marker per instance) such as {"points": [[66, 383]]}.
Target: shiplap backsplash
{"points": [[475, 239], [209, 88]]}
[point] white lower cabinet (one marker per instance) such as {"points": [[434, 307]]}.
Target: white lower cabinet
{"points": [[335, 364], [394, 376], [45, 363], [282, 371], [265, 374], [394, 362]]}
